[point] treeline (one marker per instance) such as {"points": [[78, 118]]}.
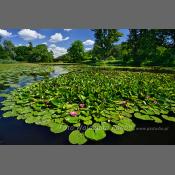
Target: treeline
{"points": [[39, 53], [144, 47]]}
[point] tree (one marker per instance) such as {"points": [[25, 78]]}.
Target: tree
{"points": [[76, 51], [23, 53], [104, 42], [4, 55], [10, 48], [40, 53], [143, 44]]}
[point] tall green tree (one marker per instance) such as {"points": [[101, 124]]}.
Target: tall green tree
{"points": [[40, 53], [10, 48], [143, 45], [76, 51], [104, 42]]}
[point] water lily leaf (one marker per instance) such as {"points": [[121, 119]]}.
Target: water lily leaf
{"points": [[9, 114], [106, 126], [142, 117], [88, 122], [96, 133], [57, 127], [84, 118], [168, 118], [59, 120], [71, 119], [30, 120], [6, 108], [100, 119], [127, 124], [82, 97], [120, 108], [77, 125], [55, 102], [117, 130], [76, 137], [4, 95], [156, 119], [164, 111], [147, 112], [126, 114]]}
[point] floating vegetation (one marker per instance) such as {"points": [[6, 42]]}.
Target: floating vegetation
{"points": [[100, 101], [11, 74]]}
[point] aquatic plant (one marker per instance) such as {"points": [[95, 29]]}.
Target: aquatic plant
{"points": [[101, 100]]}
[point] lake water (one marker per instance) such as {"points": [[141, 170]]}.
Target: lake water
{"points": [[17, 132]]}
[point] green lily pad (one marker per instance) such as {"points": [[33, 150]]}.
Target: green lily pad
{"points": [[30, 120], [55, 102], [156, 119], [127, 124], [142, 117], [106, 126], [88, 122], [117, 130], [9, 114], [164, 111], [57, 127], [100, 119], [168, 118], [77, 125], [84, 118], [71, 119], [76, 137], [96, 133]]}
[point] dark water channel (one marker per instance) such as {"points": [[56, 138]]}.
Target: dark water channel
{"points": [[17, 132]]}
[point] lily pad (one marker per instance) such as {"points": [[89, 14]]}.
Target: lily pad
{"points": [[156, 119], [71, 119], [76, 137], [88, 122], [9, 114], [117, 130], [106, 126], [57, 127], [96, 133], [142, 116], [168, 118]]}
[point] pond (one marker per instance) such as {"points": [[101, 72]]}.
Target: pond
{"points": [[17, 132]]}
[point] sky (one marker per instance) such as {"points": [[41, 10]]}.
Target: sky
{"points": [[57, 40]]}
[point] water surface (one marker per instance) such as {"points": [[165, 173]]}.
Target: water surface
{"points": [[17, 132]]}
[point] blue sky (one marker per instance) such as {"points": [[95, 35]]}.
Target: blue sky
{"points": [[57, 40]]}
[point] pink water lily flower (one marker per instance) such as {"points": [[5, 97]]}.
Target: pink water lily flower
{"points": [[82, 105], [73, 113]]}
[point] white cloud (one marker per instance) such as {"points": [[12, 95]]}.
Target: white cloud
{"points": [[18, 45], [45, 43], [67, 30], [57, 37], [57, 51], [88, 42], [5, 33], [29, 35], [88, 49]]}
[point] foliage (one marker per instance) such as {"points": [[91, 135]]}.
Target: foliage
{"points": [[40, 53], [104, 42], [103, 100], [76, 51], [11, 74]]}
